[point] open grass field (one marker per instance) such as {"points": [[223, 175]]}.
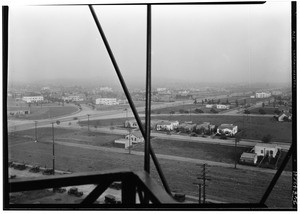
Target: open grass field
{"points": [[255, 127], [227, 184], [186, 107], [38, 113], [268, 110], [212, 152]]}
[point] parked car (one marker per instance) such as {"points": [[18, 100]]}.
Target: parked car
{"points": [[48, 172], [74, 191], [59, 190], [12, 176], [20, 166], [35, 169], [116, 185], [110, 199], [179, 197]]}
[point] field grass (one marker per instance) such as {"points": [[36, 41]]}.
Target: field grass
{"points": [[255, 127], [186, 107], [38, 113], [268, 110], [212, 152], [227, 184]]}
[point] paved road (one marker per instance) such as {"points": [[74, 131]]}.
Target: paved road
{"points": [[168, 157]]}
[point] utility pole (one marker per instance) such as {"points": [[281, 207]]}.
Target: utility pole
{"points": [[53, 149], [35, 125], [235, 140], [204, 178], [199, 189], [88, 123]]}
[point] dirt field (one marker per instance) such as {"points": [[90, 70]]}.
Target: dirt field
{"points": [[228, 185]]}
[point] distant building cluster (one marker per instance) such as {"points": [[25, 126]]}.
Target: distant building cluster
{"points": [[107, 101], [262, 95], [217, 106], [187, 127], [73, 98], [32, 99]]}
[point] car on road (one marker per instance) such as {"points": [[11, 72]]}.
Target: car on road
{"points": [[74, 191]]}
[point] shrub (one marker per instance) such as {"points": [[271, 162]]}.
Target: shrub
{"points": [[246, 111], [199, 111], [266, 138], [261, 111]]}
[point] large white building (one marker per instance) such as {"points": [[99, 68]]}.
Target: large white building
{"points": [[73, 98], [107, 101], [262, 94], [31, 99], [221, 106]]}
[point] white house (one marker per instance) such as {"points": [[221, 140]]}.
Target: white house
{"points": [[166, 125], [263, 149], [107, 101], [30, 99], [209, 105], [221, 106], [135, 137], [227, 129], [281, 117], [262, 94]]}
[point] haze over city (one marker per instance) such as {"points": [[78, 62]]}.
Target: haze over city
{"points": [[217, 127], [248, 43]]}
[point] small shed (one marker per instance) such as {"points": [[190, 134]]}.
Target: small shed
{"points": [[248, 158]]}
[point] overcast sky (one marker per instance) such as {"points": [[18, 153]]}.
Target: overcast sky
{"points": [[246, 43]]}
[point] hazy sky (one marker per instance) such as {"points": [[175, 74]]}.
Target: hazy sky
{"points": [[246, 43]]}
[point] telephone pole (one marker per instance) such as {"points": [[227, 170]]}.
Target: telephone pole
{"points": [[53, 157], [88, 123], [203, 178], [35, 125]]}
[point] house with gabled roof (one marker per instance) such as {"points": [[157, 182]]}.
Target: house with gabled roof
{"points": [[283, 116], [227, 129], [135, 137]]}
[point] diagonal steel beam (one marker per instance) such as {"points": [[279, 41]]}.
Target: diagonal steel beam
{"points": [[132, 106], [92, 197], [277, 175]]}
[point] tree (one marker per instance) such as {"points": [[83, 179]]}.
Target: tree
{"points": [[213, 110], [263, 105], [181, 111], [219, 101], [199, 111], [277, 111], [266, 138], [172, 112], [227, 101], [246, 111], [195, 102], [236, 103], [202, 102], [261, 111]]}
